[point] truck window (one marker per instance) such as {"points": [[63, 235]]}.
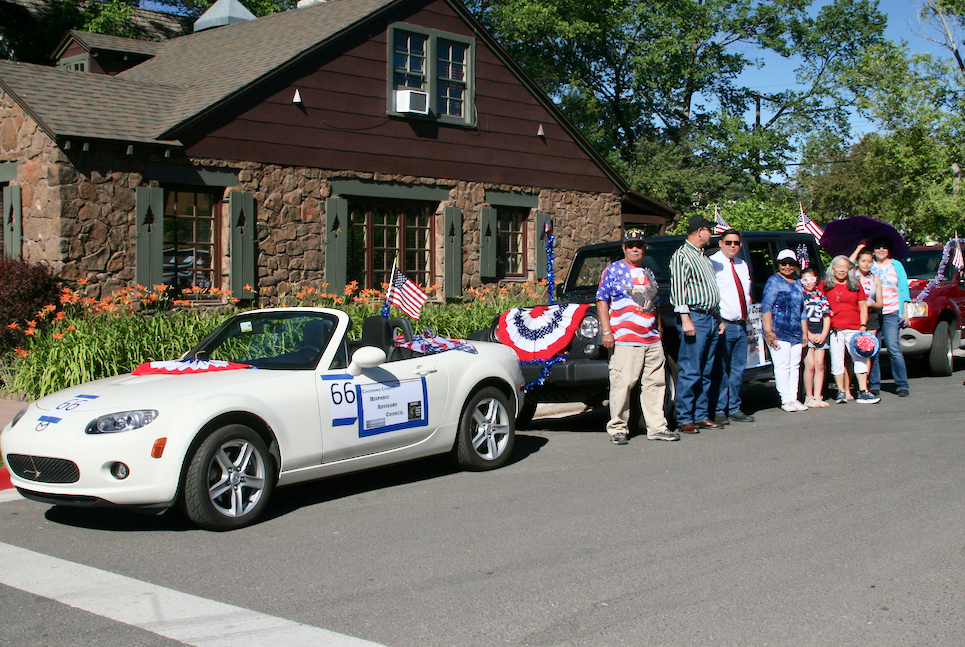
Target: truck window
{"points": [[762, 266], [923, 264]]}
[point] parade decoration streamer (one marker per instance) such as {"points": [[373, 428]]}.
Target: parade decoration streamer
{"points": [[545, 372], [946, 252], [802, 255], [186, 366], [549, 237]]}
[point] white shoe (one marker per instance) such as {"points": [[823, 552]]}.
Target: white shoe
{"points": [[799, 406], [789, 407]]}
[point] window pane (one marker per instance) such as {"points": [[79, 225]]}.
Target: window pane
{"points": [[510, 243], [395, 232], [190, 239], [409, 60]]}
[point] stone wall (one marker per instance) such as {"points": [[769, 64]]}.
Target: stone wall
{"points": [[79, 211]]}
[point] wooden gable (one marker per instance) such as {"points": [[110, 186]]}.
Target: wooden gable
{"points": [[343, 123]]}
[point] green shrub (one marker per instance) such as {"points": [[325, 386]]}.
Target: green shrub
{"points": [[25, 288], [92, 339]]}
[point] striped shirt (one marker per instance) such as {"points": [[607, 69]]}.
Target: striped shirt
{"points": [[632, 295], [889, 286], [693, 283]]}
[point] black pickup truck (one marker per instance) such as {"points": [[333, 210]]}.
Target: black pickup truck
{"points": [[584, 376]]}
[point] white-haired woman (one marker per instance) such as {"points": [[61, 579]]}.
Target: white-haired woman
{"points": [[849, 316]]}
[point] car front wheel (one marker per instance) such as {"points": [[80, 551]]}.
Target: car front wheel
{"points": [[228, 480], [486, 431]]}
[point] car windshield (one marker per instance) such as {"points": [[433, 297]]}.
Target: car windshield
{"points": [[923, 264], [270, 340]]}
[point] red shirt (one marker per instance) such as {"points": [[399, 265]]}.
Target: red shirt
{"points": [[845, 313]]}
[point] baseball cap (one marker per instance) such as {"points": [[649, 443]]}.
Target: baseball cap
{"points": [[634, 235], [698, 222], [786, 253]]}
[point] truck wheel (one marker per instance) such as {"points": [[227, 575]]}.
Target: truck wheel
{"points": [[526, 414], [940, 355]]}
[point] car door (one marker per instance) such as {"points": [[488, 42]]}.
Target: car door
{"points": [[393, 405]]}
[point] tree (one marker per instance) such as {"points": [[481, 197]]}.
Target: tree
{"points": [[653, 83], [909, 172]]}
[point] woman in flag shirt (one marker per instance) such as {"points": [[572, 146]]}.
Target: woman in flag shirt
{"points": [[627, 309]]}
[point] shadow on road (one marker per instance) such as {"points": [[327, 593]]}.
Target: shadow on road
{"points": [[287, 499]]}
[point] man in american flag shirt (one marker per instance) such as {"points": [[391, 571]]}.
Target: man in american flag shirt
{"points": [[627, 308]]}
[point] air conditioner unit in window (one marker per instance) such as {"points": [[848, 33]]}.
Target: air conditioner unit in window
{"points": [[412, 102]]}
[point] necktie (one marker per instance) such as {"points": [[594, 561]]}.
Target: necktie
{"points": [[740, 290]]}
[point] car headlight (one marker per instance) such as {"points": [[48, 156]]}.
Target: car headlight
{"points": [[19, 415], [916, 310], [589, 327], [123, 421]]}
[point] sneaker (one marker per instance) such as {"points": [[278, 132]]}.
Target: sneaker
{"points": [[721, 418], [619, 438], [865, 397], [841, 398], [740, 416], [664, 435], [799, 405], [811, 402], [902, 393], [789, 407]]}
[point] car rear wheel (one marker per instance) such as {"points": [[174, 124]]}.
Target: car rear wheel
{"points": [[940, 356], [229, 479], [486, 431]]}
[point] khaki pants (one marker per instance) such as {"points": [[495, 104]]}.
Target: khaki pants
{"points": [[629, 365]]}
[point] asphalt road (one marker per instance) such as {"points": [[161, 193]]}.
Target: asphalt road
{"points": [[840, 526]]}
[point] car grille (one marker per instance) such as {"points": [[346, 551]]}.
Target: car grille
{"points": [[43, 469]]}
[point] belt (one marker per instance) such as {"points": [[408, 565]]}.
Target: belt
{"points": [[741, 322], [704, 311]]}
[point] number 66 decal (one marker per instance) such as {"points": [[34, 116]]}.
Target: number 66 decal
{"points": [[344, 402]]}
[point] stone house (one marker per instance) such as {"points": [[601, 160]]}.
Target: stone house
{"points": [[318, 145]]}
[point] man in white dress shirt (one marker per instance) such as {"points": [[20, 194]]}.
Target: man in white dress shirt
{"points": [[734, 281]]}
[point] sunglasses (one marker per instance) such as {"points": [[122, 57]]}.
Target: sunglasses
{"points": [[786, 262], [634, 245], [731, 242]]}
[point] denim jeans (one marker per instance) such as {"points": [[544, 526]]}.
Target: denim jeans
{"points": [[696, 360], [889, 338], [731, 359]]}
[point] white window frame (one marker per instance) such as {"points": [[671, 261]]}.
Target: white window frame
{"points": [[431, 74]]}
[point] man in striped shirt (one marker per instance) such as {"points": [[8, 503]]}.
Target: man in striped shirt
{"points": [[696, 301], [626, 304]]}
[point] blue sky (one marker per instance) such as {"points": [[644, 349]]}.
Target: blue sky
{"points": [[778, 73]]}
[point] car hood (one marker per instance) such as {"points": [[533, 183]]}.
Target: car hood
{"points": [[141, 391]]}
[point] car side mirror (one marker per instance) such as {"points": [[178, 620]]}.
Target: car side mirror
{"points": [[365, 357]]}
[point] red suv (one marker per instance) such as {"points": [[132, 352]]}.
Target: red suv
{"points": [[935, 324]]}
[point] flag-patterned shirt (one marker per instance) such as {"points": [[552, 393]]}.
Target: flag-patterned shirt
{"points": [[632, 295], [889, 286]]}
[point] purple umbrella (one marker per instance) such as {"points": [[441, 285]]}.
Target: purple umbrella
{"points": [[843, 236]]}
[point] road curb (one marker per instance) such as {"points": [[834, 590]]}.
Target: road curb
{"points": [[5, 483]]}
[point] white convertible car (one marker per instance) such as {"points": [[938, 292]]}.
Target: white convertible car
{"points": [[271, 397]]}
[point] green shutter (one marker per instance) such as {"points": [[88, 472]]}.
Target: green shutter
{"points": [[488, 233], [540, 237], [243, 222], [149, 235], [336, 243], [12, 222], [452, 272]]}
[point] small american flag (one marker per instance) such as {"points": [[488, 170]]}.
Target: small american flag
{"points": [[720, 225], [957, 259], [405, 294], [807, 226]]}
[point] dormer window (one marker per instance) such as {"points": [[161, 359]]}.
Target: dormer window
{"points": [[76, 63], [430, 74]]}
